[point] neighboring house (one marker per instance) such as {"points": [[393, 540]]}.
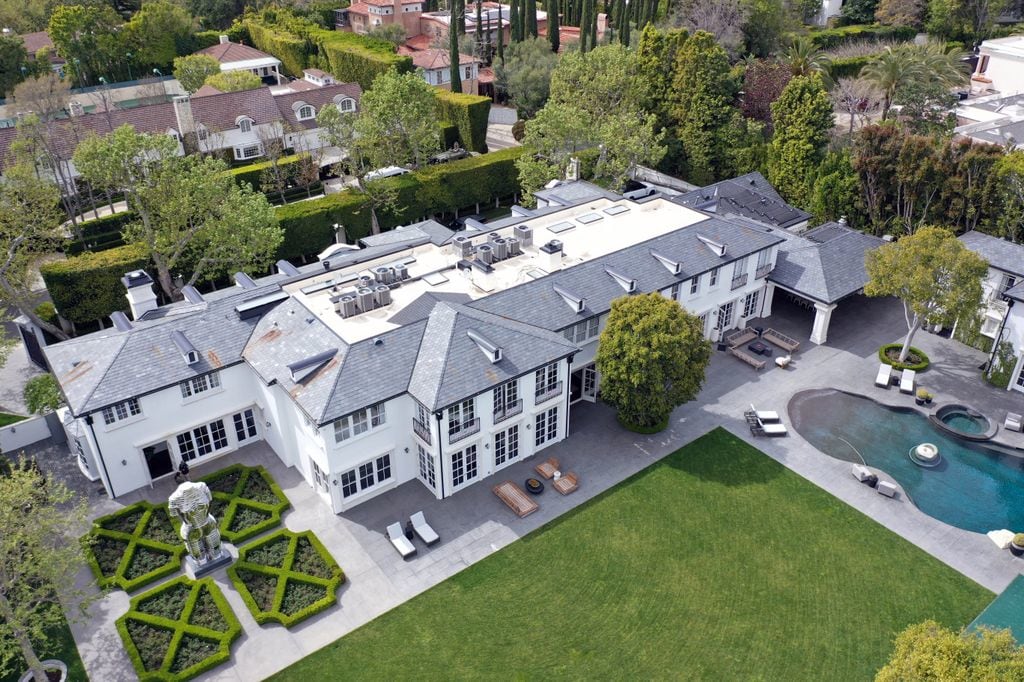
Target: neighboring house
{"points": [[238, 122], [995, 119], [424, 354], [37, 41], [435, 66], [1000, 67], [238, 57], [1002, 320], [748, 196]]}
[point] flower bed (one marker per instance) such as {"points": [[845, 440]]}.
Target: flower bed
{"points": [[134, 546], [178, 630], [916, 359], [246, 501], [286, 578]]}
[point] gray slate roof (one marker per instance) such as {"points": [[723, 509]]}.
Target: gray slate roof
{"points": [[749, 196], [1015, 292], [420, 307], [428, 231], [538, 304], [451, 365], [574, 192], [106, 367], [825, 264], [999, 253]]}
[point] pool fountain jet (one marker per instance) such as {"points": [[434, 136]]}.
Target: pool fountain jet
{"points": [[925, 454]]}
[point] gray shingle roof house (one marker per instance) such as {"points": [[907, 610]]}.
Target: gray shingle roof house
{"points": [[424, 354], [825, 264], [748, 196], [1000, 253]]}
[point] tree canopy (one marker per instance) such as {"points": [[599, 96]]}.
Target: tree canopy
{"points": [[934, 275], [928, 651], [234, 81], [193, 70], [42, 394], [802, 117], [652, 356], [526, 75]]}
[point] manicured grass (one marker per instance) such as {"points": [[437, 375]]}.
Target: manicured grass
{"points": [[8, 419], [62, 647], [715, 563]]}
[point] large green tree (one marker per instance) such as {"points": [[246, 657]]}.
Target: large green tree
{"points": [[652, 356], [40, 557], [934, 275], [193, 70], [234, 81], [929, 651], [1009, 174], [802, 118], [157, 33], [526, 75], [193, 219], [13, 58], [702, 93], [88, 37], [901, 66]]}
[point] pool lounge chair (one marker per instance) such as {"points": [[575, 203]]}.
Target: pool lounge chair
{"points": [[765, 415], [1013, 422], [772, 429], [398, 539], [423, 529], [907, 381], [884, 376]]}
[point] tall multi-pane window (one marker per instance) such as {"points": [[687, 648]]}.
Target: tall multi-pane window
{"points": [[464, 466], [199, 384], [427, 474], [319, 476], [546, 379], [694, 285], [714, 278], [245, 425], [202, 440], [750, 303], [461, 417], [360, 422], [366, 475], [506, 445], [545, 426], [506, 400], [583, 331], [764, 259]]}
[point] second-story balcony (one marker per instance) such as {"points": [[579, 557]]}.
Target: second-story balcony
{"points": [[547, 394], [739, 281], [421, 430], [466, 429], [508, 411], [763, 271]]}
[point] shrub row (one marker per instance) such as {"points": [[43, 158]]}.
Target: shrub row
{"points": [[133, 528], [292, 50], [236, 33], [848, 67], [826, 39], [87, 287], [289, 570], [229, 486], [883, 355], [173, 635], [252, 173], [355, 58], [469, 114]]}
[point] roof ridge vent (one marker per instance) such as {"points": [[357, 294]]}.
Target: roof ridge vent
{"points": [[301, 370], [191, 294], [717, 248], [674, 266], [489, 348], [577, 303], [188, 351], [627, 283]]}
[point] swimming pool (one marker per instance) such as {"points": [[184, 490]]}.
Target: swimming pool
{"points": [[973, 487]]}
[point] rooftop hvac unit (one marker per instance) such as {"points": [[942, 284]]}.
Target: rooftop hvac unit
{"points": [[401, 272], [485, 253], [463, 246], [383, 274], [524, 233], [500, 248], [366, 281], [493, 236], [382, 292], [365, 298], [346, 305], [514, 249]]}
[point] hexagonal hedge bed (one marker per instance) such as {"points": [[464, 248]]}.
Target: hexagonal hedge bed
{"points": [[286, 577], [246, 501], [134, 546], [178, 630]]}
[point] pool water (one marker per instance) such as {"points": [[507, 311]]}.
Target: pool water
{"points": [[964, 423], [973, 487]]}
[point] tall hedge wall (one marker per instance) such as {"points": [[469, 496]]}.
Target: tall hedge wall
{"points": [[355, 58], [828, 38], [847, 67], [469, 114], [86, 288], [293, 51], [251, 173]]}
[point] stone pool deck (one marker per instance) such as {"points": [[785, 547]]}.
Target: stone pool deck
{"points": [[474, 523]]}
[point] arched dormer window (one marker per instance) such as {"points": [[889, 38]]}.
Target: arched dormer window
{"points": [[306, 113], [346, 105], [244, 124]]}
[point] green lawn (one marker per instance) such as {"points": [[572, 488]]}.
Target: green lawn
{"points": [[62, 646], [715, 563], [8, 419]]}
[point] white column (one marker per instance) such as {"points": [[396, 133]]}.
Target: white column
{"points": [[822, 316], [769, 297]]}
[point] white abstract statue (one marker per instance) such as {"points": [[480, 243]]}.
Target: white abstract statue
{"points": [[190, 503]]}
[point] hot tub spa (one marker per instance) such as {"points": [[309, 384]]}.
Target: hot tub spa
{"points": [[964, 422]]}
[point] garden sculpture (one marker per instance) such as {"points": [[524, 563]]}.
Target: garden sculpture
{"points": [[190, 503]]}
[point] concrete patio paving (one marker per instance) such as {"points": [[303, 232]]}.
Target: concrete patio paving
{"points": [[474, 523]]}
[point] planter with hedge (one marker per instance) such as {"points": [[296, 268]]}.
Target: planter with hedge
{"points": [[1017, 544], [246, 501], [286, 577], [916, 359], [134, 546], [179, 630]]}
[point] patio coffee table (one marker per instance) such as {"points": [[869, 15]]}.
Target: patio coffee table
{"points": [[759, 347]]}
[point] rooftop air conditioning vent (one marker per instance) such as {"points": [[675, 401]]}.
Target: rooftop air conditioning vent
{"points": [[524, 233]]}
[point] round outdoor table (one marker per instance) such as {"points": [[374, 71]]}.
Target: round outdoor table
{"points": [[534, 486]]}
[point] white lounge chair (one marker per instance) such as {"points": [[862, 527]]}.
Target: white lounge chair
{"points": [[884, 376], [772, 429], [861, 472], [765, 415], [423, 529], [1013, 422], [907, 381], [886, 488], [398, 539]]}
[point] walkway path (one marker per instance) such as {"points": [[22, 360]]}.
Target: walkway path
{"points": [[474, 523]]}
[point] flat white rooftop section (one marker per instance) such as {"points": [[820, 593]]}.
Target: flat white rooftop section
{"points": [[433, 269]]}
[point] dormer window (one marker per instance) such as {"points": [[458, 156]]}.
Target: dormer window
{"points": [[245, 124], [306, 112], [347, 105]]}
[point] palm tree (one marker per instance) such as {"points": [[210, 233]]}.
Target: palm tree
{"points": [[942, 64], [804, 59], [890, 69]]}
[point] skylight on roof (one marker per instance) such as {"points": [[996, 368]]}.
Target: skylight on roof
{"points": [[616, 210], [589, 218], [558, 228], [435, 278]]}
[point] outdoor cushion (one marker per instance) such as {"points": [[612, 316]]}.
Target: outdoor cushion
{"points": [[398, 539], [423, 529]]}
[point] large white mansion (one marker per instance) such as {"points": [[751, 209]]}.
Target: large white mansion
{"points": [[426, 354]]}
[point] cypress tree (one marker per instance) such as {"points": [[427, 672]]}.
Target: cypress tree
{"points": [[514, 21], [593, 24], [479, 27], [531, 17], [453, 47], [501, 36], [553, 37], [524, 22], [585, 26], [624, 28]]}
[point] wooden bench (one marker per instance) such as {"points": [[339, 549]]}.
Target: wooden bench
{"points": [[566, 484], [516, 498], [739, 337], [548, 468], [746, 357], [781, 340]]}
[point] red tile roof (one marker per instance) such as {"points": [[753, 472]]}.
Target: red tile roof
{"points": [[316, 98], [389, 3], [437, 59], [206, 90], [359, 8], [225, 53], [36, 41]]}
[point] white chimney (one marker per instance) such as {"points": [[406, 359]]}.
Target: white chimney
{"points": [[183, 112], [141, 297], [573, 171], [483, 277], [551, 256], [75, 108], [224, 40]]}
